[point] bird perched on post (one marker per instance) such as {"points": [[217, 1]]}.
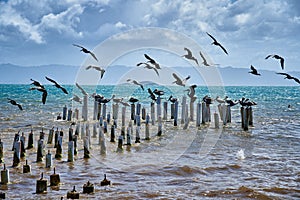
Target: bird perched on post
{"points": [[84, 50], [215, 42], [13, 102]]}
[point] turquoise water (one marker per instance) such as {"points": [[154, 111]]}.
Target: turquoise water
{"points": [[270, 169]]}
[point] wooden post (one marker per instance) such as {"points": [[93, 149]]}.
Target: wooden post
{"points": [[105, 126], [228, 114], [108, 118], [224, 114], [137, 136], [85, 108], [76, 114], [94, 130], [70, 134], [17, 153], [40, 150], [191, 110], [41, 185], [83, 128], [30, 140], [138, 109], [95, 114], [77, 129], [120, 144], [198, 114], [54, 179], [48, 160], [86, 147], [104, 111], [147, 133], [75, 137], [1, 151], [112, 133], [59, 148], [246, 119], [56, 138], [123, 115], [152, 113], [242, 110], [165, 110], [4, 175], [26, 167], [143, 113], [128, 136], [70, 151], [132, 111], [159, 131], [187, 120], [176, 113], [69, 118], [172, 110], [22, 140], [250, 116], [158, 107], [203, 112], [65, 112], [183, 108], [216, 118], [50, 136], [115, 111], [102, 142]]}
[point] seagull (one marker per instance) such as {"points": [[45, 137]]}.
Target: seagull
{"points": [[254, 71], [81, 89], [117, 100], [204, 60], [287, 76], [84, 50], [172, 99], [219, 100], [215, 42], [57, 85], [152, 61], [277, 57], [104, 100], [133, 100], [36, 83], [96, 68], [136, 83], [191, 91], [152, 95], [13, 102], [189, 55], [230, 102], [43, 90], [76, 98], [158, 92], [179, 81], [147, 66]]}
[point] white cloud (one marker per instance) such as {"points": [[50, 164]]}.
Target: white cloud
{"points": [[120, 25]]}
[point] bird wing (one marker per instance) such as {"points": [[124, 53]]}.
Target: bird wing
{"points": [[202, 56], [214, 39], [102, 73], [149, 58], [20, 107], [76, 45], [88, 67], [282, 63], [139, 64], [268, 56], [187, 78], [188, 51], [176, 77], [64, 90], [285, 74], [142, 87], [296, 79], [81, 89], [155, 71], [44, 96], [94, 56], [51, 80], [222, 48]]}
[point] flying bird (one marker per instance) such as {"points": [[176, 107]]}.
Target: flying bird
{"points": [[172, 99], [191, 91], [136, 83], [57, 85], [36, 83], [147, 66], [287, 76], [13, 102], [81, 89], [219, 100], [158, 92], [43, 90], [152, 61], [84, 50], [204, 60], [281, 59], [215, 42], [151, 94], [76, 98], [96, 68], [189, 55], [254, 71], [179, 81]]}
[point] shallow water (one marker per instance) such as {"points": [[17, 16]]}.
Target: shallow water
{"points": [[197, 163]]}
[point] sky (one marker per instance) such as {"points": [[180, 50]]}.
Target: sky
{"points": [[42, 32]]}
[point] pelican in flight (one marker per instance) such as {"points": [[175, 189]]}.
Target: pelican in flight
{"points": [[147, 66], [152, 61], [136, 83], [281, 59], [287, 76], [81, 89], [191, 91], [36, 83], [84, 50], [13, 102], [57, 85], [179, 81], [43, 90], [76, 98], [215, 42], [204, 60], [254, 71], [96, 68], [189, 55]]}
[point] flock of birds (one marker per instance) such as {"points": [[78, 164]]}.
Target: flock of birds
{"points": [[152, 64]]}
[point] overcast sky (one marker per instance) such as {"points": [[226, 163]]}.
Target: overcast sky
{"points": [[42, 32]]}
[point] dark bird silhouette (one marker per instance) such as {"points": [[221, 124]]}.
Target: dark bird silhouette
{"points": [[57, 85], [81, 89], [230, 102], [36, 83], [204, 60], [13, 102], [191, 91], [136, 83], [151, 94], [281, 59], [179, 81], [96, 68], [215, 42], [43, 90], [147, 66], [245, 102], [158, 92], [287, 76], [207, 99], [254, 71], [152, 61], [133, 100], [84, 50], [189, 55], [172, 99]]}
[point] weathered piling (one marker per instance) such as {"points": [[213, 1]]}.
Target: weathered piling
{"points": [[26, 167], [228, 114], [86, 148], [132, 111], [152, 113], [224, 114], [94, 130], [4, 175], [183, 108], [176, 113], [56, 135], [16, 139], [1, 151], [246, 118], [123, 115], [85, 108], [17, 153], [23, 151], [208, 116], [158, 106], [128, 136], [250, 116], [77, 129], [159, 127], [40, 150], [83, 128], [102, 142], [76, 113], [172, 110], [70, 133], [50, 136], [143, 113], [48, 159], [65, 112], [54, 179], [138, 133], [59, 148], [104, 111], [242, 110], [101, 121], [198, 114], [115, 110], [88, 188], [105, 127], [108, 117], [70, 151], [138, 109], [69, 118], [187, 120], [112, 133], [105, 181], [41, 185], [75, 138], [95, 113], [120, 144], [216, 119], [73, 194], [165, 110], [100, 110], [203, 106], [147, 132]]}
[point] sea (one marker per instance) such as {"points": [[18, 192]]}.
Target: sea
{"points": [[184, 162]]}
